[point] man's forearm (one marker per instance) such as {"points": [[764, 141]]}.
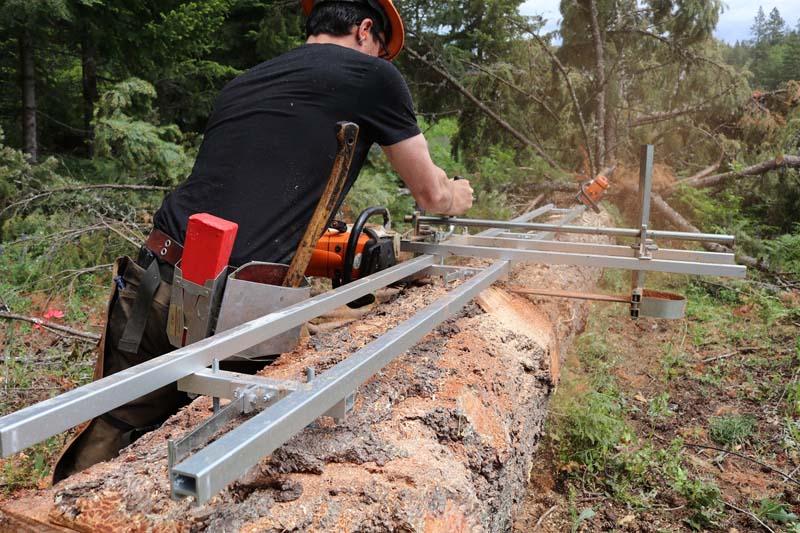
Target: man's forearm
{"points": [[428, 183]]}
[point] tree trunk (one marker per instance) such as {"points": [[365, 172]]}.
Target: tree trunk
{"points": [[610, 154], [89, 75], [600, 81], [790, 161], [441, 440], [28, 81], [678, 220]]}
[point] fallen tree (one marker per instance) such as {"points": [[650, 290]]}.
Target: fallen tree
{"points": [[782, 161], [441, 440]]}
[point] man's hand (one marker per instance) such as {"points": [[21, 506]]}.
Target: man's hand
{"points": [[428, 183], [461, 197]]}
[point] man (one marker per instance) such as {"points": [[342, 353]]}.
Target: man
{"points": [[267, 152]]}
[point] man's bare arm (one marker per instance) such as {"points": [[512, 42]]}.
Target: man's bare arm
{"points": [[428, 183]]}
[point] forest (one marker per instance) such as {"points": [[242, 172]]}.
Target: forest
{"points": [[115, 94], [104, 103]]}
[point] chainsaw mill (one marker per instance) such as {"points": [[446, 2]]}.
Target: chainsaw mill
{"points": [[361, 260]]}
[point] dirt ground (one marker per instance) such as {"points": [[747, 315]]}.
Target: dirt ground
{"points": [[676, 380]]}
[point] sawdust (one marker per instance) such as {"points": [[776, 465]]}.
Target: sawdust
{"points": [[663, 177]]}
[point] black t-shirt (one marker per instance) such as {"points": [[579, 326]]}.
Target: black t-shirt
{"points": [[270, 144]]}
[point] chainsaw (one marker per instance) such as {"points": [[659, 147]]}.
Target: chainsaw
{"points": [[346, 253]]}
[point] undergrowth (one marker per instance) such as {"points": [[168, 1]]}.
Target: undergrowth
{"points": [[733, 363]]}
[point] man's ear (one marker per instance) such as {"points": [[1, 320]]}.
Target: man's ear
{"points": [[364, 28]]}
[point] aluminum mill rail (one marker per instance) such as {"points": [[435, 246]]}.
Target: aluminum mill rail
{"points": [[48, 418], [226, 459], [211, 469]]}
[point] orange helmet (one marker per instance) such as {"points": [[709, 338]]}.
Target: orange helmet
{"points": [[392, 22]]}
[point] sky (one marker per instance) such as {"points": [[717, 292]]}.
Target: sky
{"points": [[734, 23]]}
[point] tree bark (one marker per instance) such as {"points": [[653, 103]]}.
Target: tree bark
{"points": [[28, 82], [89, 75], [787, 161], [600, 82]]}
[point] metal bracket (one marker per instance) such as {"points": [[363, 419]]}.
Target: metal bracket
{"points": [[193, 308], [343, 408]]}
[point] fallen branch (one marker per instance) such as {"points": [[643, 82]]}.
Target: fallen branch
{"points": [[782, 161], [485, 109], [533, 203], [706, 171], [748, 513], [661, 116], [728, 354], [679, 221], [113, 186], [542, 518], [514, 87], [54, 327], [784, 475]]}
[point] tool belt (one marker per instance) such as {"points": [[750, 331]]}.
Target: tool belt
{"points": [[197, 311], [158, 256], [164, 247]]}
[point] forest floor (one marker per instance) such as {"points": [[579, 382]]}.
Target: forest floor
{"points": [[680, 425]]}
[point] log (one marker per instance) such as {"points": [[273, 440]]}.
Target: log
{"points": [[441, 440], [782, 161], [660, 205]]}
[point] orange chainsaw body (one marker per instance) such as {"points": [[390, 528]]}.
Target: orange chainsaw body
{"points": [[327, 260], [595, 190]]}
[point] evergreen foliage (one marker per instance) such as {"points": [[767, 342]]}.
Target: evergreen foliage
{"points": [[123, 90], [128, 135]]}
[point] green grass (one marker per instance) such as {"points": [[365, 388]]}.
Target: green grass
{"points": [[605, 442], [731, 429]]}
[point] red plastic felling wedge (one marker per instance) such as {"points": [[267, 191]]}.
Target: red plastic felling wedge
{"points": [[209, 241]]}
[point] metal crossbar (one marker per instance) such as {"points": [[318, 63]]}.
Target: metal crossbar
{"points": [[585, 230]]}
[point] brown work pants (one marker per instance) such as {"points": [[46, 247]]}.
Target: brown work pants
{"points": [[103, 437]]}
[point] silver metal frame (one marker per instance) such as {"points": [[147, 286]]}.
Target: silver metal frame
{"points": [[582, 259], [519, 241], [43, 420], [226, 459]]}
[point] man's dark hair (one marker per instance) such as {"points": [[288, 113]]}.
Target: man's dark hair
{"points": [[338, 18]]}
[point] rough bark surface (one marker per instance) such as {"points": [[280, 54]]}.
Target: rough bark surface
{"points": [[30, 144], [441, 440]]}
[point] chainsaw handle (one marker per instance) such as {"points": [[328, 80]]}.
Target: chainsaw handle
{"points": [[352, 242]]}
